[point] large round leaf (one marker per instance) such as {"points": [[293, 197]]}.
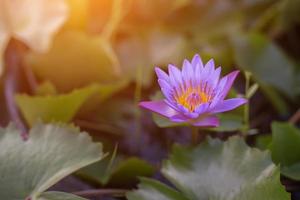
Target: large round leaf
{"points": [[285, 148], [216, 171], [63, 107], [54, 108], [30, 167]]}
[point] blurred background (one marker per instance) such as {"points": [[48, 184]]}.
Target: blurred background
{"points": [[99, 65]]}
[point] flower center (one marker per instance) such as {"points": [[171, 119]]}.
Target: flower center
{"points": [[192, 98]]}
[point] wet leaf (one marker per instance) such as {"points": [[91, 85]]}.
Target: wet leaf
{"points": [[216, 170], [31, 167]]}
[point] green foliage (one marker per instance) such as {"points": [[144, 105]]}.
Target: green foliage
{"points": [[104, 45], [268, 64], [229, 122], [150, 189], [290, 13], [260, 56], [53, 108], [263, 142], [63, 107], [121, 172], [216, 170], [51, 153], [75, 60], [285, 148]]}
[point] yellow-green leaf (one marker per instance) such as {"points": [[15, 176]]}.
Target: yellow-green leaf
{"points": [[75, 60], [50, 108]]}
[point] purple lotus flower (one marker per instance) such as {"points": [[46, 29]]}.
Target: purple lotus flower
{"points": [[195, 94]]}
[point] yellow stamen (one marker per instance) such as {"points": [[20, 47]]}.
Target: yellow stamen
{"points": [[191, 98]]}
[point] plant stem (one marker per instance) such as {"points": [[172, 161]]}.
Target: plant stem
{"points": [[13, 62], [195, 135], [137, 99], [247, 106]]}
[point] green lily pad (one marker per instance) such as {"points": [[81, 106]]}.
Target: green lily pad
{"points": [[216, 170], [122, 172], [292, 171], [263, 142], [59, 108], [63, 107], [51, 153], [285, 148]]}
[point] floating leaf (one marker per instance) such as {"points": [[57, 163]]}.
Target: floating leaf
{"points": [[50, 154], [216, 170], [75, 60], [263, 142], [63, 107], [127, 171], [122, 172], [33, 22], [150, 189], [59, 108], [285, 148]]}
